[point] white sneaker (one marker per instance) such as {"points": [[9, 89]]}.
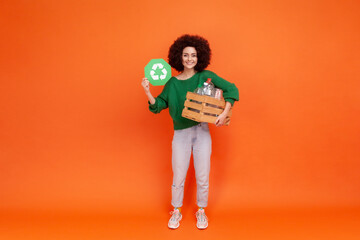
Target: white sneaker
{"points": [[174, 221], [202, 220]]}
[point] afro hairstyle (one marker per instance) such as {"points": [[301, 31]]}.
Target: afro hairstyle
{"points": [[199, 43]]}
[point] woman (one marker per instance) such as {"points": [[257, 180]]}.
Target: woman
{"points": [[190, 55]]}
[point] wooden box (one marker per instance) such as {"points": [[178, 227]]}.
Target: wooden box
{"points": [[203, 108]]}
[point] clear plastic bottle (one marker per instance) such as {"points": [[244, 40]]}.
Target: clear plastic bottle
{"points": [[199, 90], [209, 88], [218, 93]]}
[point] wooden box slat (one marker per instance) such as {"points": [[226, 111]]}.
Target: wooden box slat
{"points": [[202, 108], [193, 105]]}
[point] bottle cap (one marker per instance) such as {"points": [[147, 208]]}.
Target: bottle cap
{"points": [[208, 80]]}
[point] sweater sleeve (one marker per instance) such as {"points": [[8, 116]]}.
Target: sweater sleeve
{"points": [[161, 101], [230, 91]]}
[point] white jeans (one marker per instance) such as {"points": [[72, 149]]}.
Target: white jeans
{"points": [[195, 139]]}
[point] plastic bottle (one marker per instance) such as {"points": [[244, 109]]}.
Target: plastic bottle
{"points": [[199, 90], [218, 93], [209, 88]]}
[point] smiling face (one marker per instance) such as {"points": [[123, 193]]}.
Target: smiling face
{"points": [[189, 57]]}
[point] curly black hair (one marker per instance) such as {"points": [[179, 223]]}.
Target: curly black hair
{"points": [[199, 43]]}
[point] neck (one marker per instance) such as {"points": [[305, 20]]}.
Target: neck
{"points": [[188, 72]]}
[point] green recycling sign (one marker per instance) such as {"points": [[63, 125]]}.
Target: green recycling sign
{"points": [[158, 72]]}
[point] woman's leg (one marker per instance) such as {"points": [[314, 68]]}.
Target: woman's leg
{"points": [[181, 152], [202, 153]]}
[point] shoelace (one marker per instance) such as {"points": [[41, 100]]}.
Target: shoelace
{"points": [[175, 215], [200, 215]]}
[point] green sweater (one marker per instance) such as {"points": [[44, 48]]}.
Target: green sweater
{"points": [[173, 96]]}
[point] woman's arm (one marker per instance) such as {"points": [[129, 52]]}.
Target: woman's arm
{"points": [[222, 117], [156, 105], [146, 85], [230, 91]]}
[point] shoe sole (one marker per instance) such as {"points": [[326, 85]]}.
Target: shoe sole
{"points": [[177, 226], [202, 228]]}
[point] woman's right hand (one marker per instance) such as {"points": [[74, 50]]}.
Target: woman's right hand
{"points": [[146, 85]]}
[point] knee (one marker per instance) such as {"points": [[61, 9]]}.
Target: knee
{"points": [[176, 187], [202, 181], [178, 183]]}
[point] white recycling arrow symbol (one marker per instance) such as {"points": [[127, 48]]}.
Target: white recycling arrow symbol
{"points": [[162, 77], [156, 77]]}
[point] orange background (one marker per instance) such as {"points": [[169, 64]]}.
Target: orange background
{"points": [[75, 129]]}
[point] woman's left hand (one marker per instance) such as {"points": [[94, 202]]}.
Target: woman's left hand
{"points": [[220, 121]]}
